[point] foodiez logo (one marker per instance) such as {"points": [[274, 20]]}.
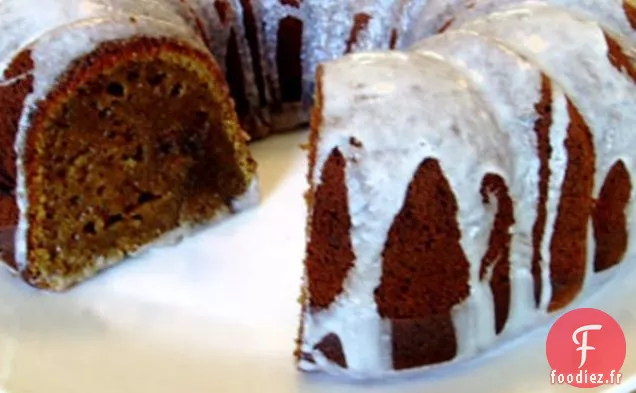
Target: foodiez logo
{"points": [[586, 348]]}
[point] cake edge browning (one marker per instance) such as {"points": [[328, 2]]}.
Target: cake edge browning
{"points": [[12, 95], [107, 56], [312, 148]]}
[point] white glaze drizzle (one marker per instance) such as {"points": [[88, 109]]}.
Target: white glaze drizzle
{"points": [[501, 54], [218, 35], [573, 44], [558, 165], [512, 88], [330, 26], [608, 13], [582, 47], [272, 13], [22, 26], [430, 17], [327, 27], [365, 93]]}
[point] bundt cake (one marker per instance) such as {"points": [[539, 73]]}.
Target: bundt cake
{"points": [[468, 187], [124, 134], [150, 83], [461, 188]]}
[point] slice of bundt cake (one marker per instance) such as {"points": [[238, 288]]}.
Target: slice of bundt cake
{"points": [[464, 190], [124, 136]]}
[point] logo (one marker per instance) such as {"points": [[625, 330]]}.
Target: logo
{"points": [[586, 349]]}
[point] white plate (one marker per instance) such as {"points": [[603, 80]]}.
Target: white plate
{"points": [[218, 313]]}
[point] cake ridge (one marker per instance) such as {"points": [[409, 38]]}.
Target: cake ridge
{"points": [[373, 95], [538, 68], [596, 67], [499, 75], [610, 14]]}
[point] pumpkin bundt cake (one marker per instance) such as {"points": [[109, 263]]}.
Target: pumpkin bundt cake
{"points": [[468, 187], [462, 187], [124, 135]]}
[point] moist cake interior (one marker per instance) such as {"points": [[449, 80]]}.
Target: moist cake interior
{"points": [[139, 148]]}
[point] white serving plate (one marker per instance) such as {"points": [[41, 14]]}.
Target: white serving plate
{"points": [[218, 313]]}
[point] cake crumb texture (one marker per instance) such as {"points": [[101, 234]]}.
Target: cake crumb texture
{"points": [[544, 151], [329, 251], [136, 141], [495, 266], [610, 221], [568, 248], [424, 272]]}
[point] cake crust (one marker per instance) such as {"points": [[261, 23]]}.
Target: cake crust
{"points": [[11, 98]]}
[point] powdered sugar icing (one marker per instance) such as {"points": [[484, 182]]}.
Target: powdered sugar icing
{"points": [[491, 66], [378, 175]]}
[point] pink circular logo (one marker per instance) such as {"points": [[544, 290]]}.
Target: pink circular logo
{"points": [[586, 349]]}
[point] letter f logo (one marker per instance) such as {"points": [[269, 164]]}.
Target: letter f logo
{"points": [[583, 343]]}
